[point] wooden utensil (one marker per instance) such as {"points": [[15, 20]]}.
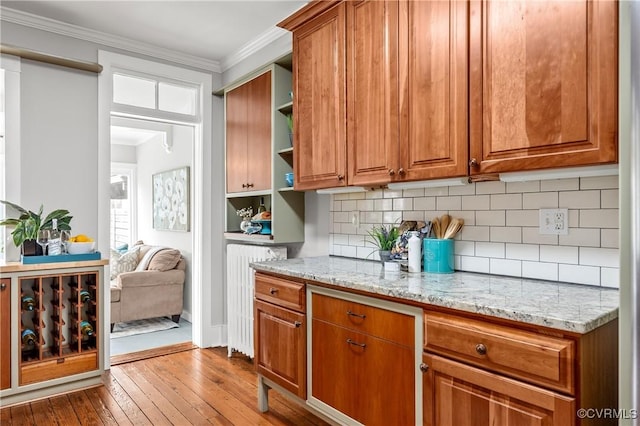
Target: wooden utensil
{"points": [[453, 228], [445, 219], [435, 227]]}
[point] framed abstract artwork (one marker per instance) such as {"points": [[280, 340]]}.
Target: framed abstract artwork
{"points": [[171, 210]]}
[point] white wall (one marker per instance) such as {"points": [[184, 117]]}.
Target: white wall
{"points": [[123, 154], [152, 158]]}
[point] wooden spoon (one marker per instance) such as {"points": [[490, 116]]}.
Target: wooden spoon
{"points": [[435, 226], [445, 219], [454, 228]]}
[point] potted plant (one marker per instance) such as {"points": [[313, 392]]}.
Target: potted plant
{"points": [[384, 238], [27, 225]]}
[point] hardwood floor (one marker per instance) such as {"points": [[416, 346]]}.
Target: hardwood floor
{"points": [[199, 387]]}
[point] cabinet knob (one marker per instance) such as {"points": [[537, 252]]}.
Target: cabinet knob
{"points": [[273, 290], [481, 349], [473, 162], [244, 185], [401, 171], [297, 324], [392, 172], [3, 286], [249, 185], [340, 177], [424, 367]]}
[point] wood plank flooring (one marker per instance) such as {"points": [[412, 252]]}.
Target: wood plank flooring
{"points": [[190, 387]]}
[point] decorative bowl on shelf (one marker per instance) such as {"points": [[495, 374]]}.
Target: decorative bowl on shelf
{"points": [[81, 248], [265, 226], [288, 177]]}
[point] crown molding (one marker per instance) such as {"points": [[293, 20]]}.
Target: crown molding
{"points": [[81, 33], [252, 47]]}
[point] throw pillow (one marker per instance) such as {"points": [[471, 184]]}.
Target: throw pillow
{"points": [[123, 262], [164, 260]]}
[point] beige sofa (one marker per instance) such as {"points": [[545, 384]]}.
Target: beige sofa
{"points": [[149, 293]]}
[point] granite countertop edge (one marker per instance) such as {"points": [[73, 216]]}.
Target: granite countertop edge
{"points": [[568, 307]]}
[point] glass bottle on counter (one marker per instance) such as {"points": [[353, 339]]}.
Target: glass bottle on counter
{"points": [[55, 242]]}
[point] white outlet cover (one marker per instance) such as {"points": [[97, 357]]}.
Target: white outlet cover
{"points": [[554, 221]]}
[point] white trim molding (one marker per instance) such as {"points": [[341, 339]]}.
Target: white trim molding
{"points": [[252, 47]]}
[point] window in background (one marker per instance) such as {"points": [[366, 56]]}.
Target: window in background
{"points": [[122, 206]]}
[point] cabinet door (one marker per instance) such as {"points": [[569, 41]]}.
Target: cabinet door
{"points": [[319, 101], [236, 113], [372, 80], [369, 379], [281, 342], [258, 155], [433, 87], [543, 84], [5, 333], [458, 395]]}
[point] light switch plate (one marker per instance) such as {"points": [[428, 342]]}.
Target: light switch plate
{"points": [[554, 221], [354, 218]]}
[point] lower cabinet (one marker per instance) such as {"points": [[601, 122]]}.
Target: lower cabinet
{"points": [[459, 395], [363, 358], [5, 333]]}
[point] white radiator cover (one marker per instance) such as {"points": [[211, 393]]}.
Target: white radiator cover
{"points": [[240, 290]]}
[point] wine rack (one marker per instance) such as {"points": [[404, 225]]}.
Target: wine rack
{"points": [[63, 303]]}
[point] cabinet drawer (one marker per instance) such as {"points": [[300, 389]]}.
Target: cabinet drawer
{"points": [[282, 292], [58, 367], [540, 359], [377, 322]]}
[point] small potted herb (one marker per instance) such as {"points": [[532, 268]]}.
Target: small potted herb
{"points": [[384, 237]]}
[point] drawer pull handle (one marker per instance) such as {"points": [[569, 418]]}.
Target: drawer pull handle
{"points": [[353, 314], [273, 290], [424, 367], [297, 323], [481, 349], [351, 342]]}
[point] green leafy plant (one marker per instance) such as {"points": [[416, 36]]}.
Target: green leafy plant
{"points": [[384, 237], [27, 225], [290, 122]]}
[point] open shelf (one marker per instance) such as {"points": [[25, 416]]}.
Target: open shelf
{"points": [[241, 236], [286, 108], [286, 151]]}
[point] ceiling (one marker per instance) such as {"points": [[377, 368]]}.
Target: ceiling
{"points": [[210, 29]]}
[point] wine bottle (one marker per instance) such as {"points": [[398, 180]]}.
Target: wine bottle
{"points": [[28, 303], [86, 329], [261, 207], [29, 337], [85, 296], [55, 242]]}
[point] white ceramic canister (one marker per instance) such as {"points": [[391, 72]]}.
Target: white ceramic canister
{"points": [[415, 252]]}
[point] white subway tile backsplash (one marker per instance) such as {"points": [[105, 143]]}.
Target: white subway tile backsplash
{"points": [[599, 182], [501, 233], [506, 234], [610, 277], [603, 218], [491, 187], [559, 254], [522, 218], [572, 184], [403, 203], [533, 236], [474, 264], [490, 218], [506, 202], [610, 238], [579, 274], [540, 270], [600, 257], [424, 203], [533, 186], [579, 199], [540, 200], [476, 202], [609, 199], [581, 237], [449, 203], [523, 252], [507, 267], [495, 250]]}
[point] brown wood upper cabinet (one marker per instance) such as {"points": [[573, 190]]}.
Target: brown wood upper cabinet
{"points": [[248, 135], [392, 91], [543, 84]]}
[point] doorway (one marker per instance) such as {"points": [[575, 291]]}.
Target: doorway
{"points": [[141, 148]]}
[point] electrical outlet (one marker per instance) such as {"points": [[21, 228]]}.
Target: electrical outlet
{"points": [[355, 218], [554, 221]]}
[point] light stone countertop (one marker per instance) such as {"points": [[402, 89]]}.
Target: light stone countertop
{"points": [[568, 307]]}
